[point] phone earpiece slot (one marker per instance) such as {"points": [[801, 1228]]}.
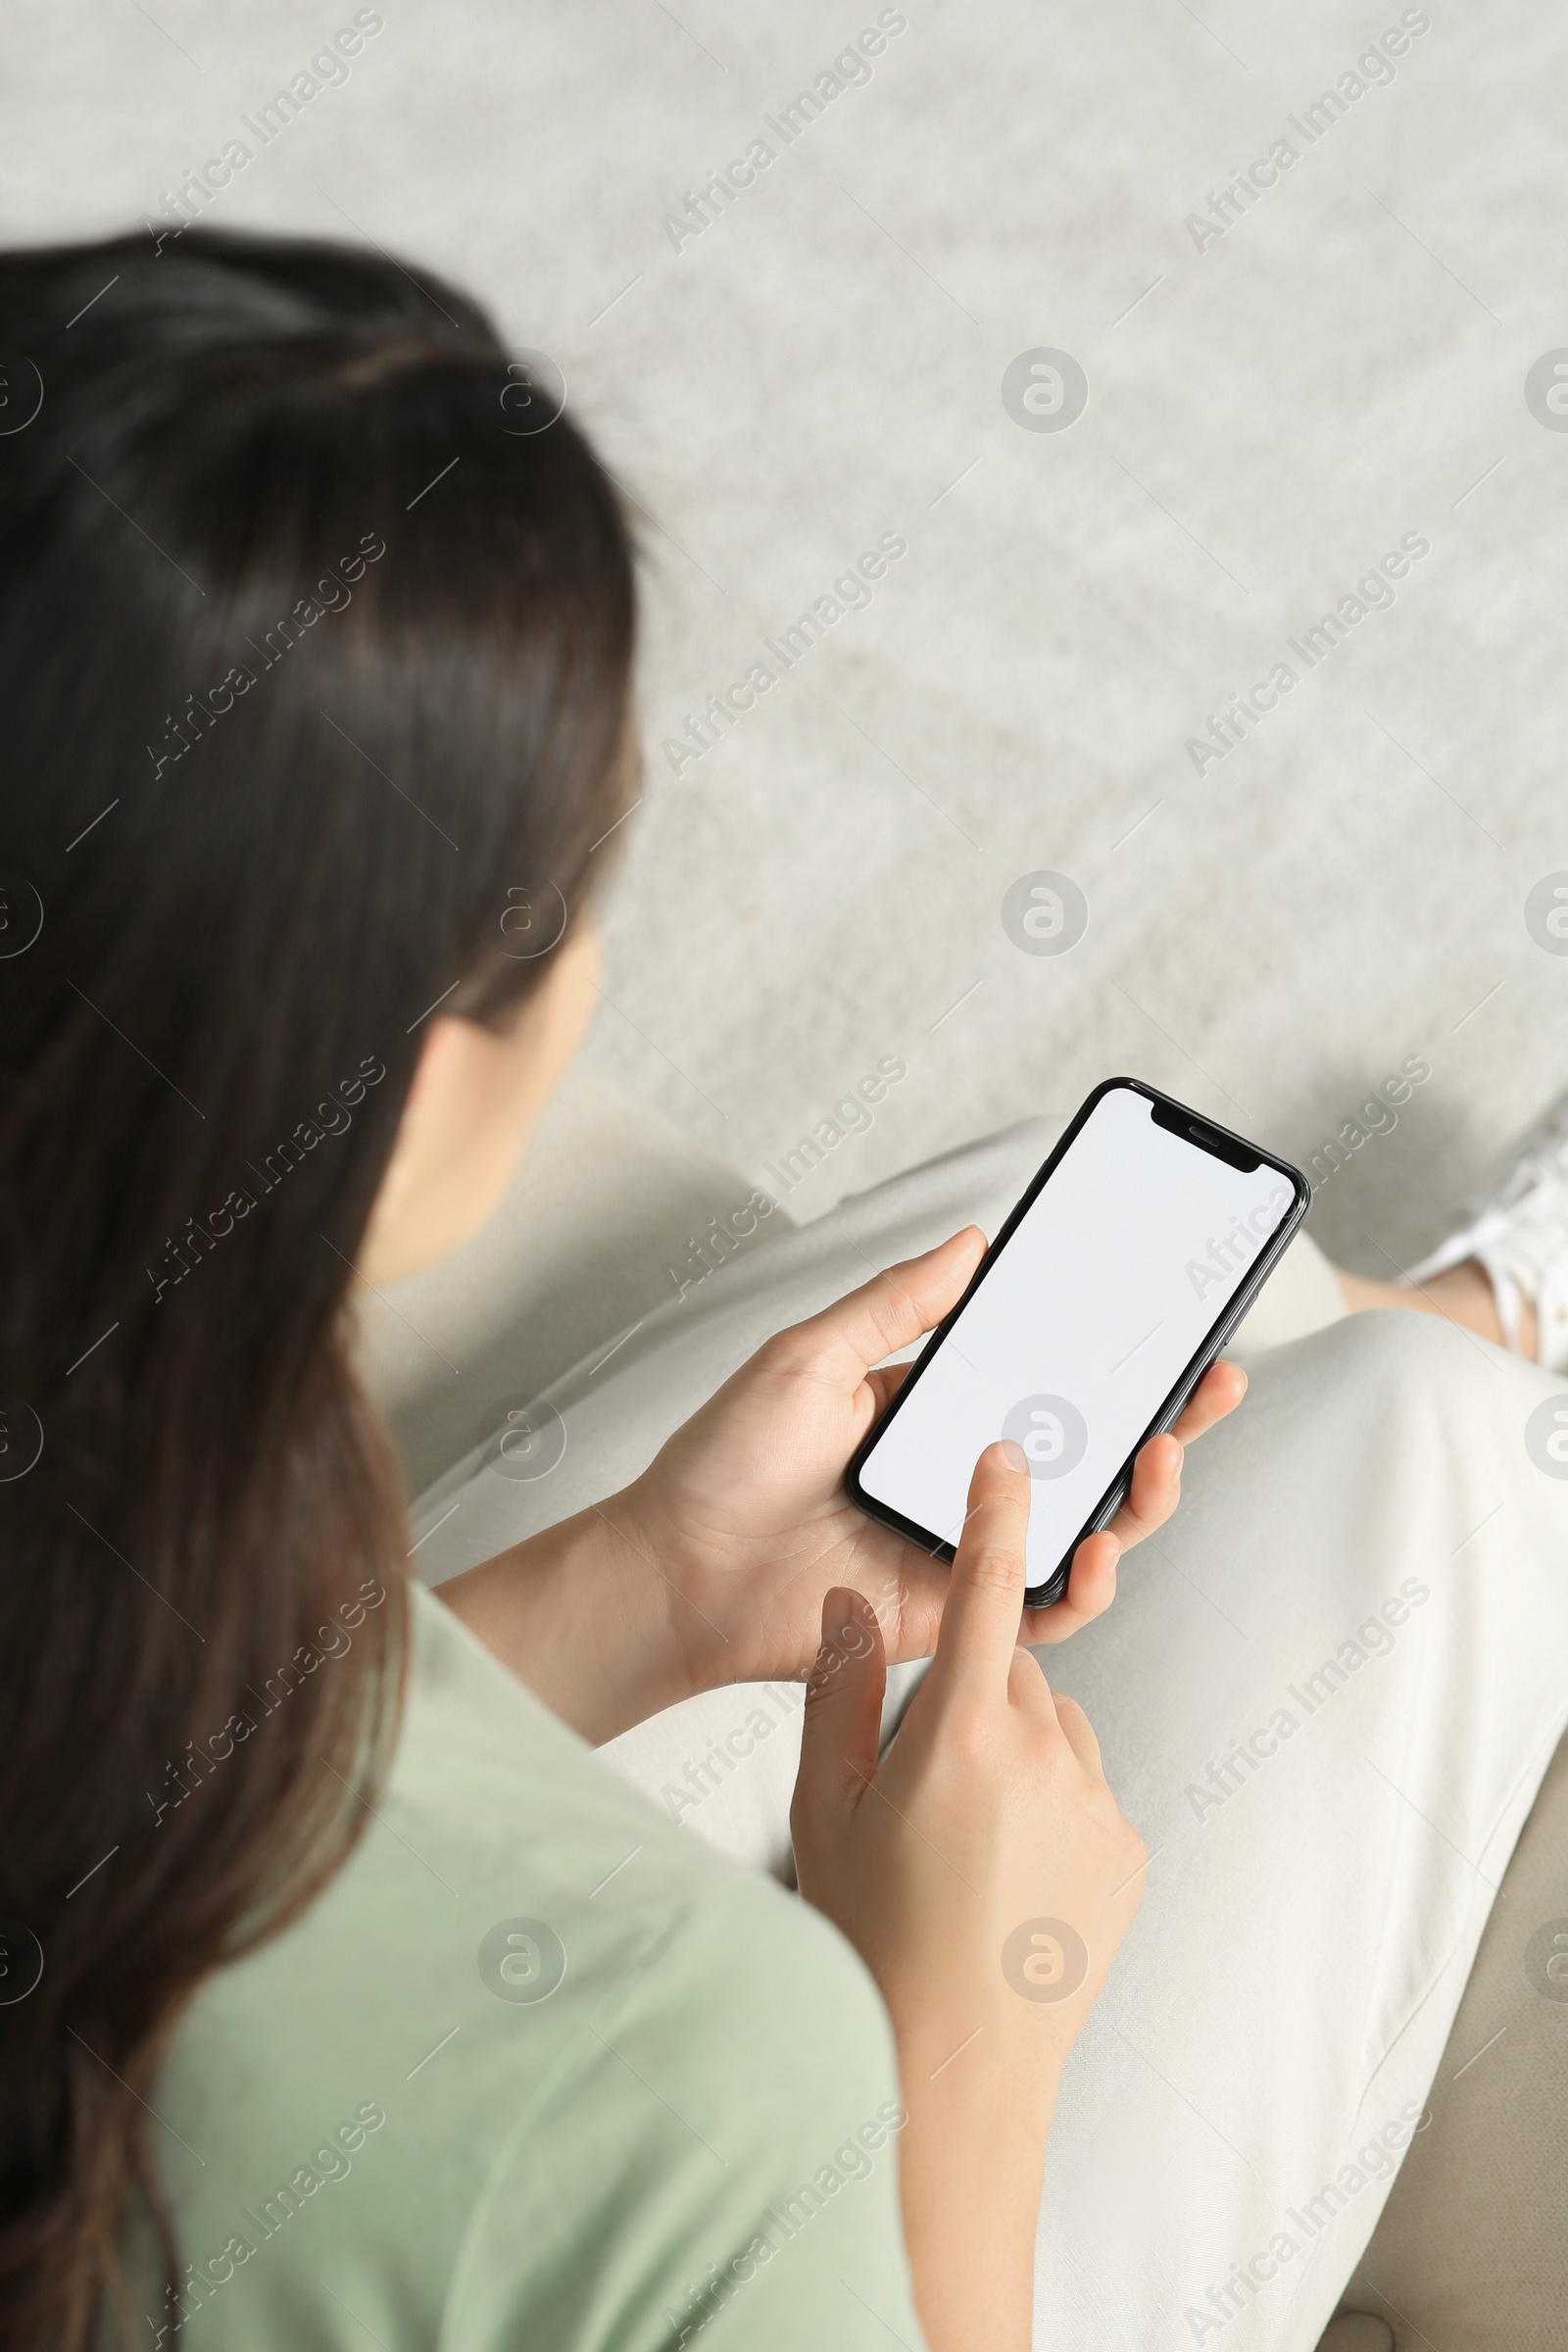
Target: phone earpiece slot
{"points": [[1212, 1139]]}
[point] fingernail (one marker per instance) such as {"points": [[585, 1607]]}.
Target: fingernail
{"points": [[1013, 1455], [1115, 1551]]}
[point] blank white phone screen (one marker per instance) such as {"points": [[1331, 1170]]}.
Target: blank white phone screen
{"points": [[1086, 1319]]}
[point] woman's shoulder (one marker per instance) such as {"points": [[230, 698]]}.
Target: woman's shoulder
{"points": [[532, 2016]]}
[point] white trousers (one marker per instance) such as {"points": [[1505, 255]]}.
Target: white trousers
{"points": [[1326, 1696]]}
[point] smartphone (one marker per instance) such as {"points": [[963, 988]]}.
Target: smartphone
{"points": [[1092, 1316]]}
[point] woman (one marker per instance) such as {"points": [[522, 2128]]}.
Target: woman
{"points": [[353, 1996]]}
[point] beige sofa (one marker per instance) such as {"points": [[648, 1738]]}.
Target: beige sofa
{"points": [[611, 1214]]}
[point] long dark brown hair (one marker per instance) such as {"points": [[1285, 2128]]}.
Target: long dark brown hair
{"points": [[314, 661]]}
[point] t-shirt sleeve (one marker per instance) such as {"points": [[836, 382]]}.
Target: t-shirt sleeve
{"points": [[715, 2157]]}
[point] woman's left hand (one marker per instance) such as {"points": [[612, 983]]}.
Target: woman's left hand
{"points": [[745, 1514]]}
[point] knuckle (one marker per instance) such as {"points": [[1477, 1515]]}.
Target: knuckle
{"points": [[1025, 1678], [994, 1566], [810, 1825], [1131, 1858], [787, 1351], [888, 1311], [966, 1735], [1049, 1745]]}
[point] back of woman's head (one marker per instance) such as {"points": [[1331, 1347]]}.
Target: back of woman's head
{"points": [[314, 667]]}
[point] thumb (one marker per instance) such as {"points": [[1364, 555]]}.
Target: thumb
{"points": [[842, 1726], [886, 1313]]}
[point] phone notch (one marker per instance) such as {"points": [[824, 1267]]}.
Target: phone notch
{"points": [[1226, 1146]]}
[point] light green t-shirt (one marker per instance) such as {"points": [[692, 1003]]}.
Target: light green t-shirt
{"points": [[539, 2070]]}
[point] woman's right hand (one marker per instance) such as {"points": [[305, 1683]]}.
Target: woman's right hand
{"points": [[986, 1876]]}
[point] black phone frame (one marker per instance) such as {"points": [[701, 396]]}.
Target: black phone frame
{"points": [[1208, 1136]]}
